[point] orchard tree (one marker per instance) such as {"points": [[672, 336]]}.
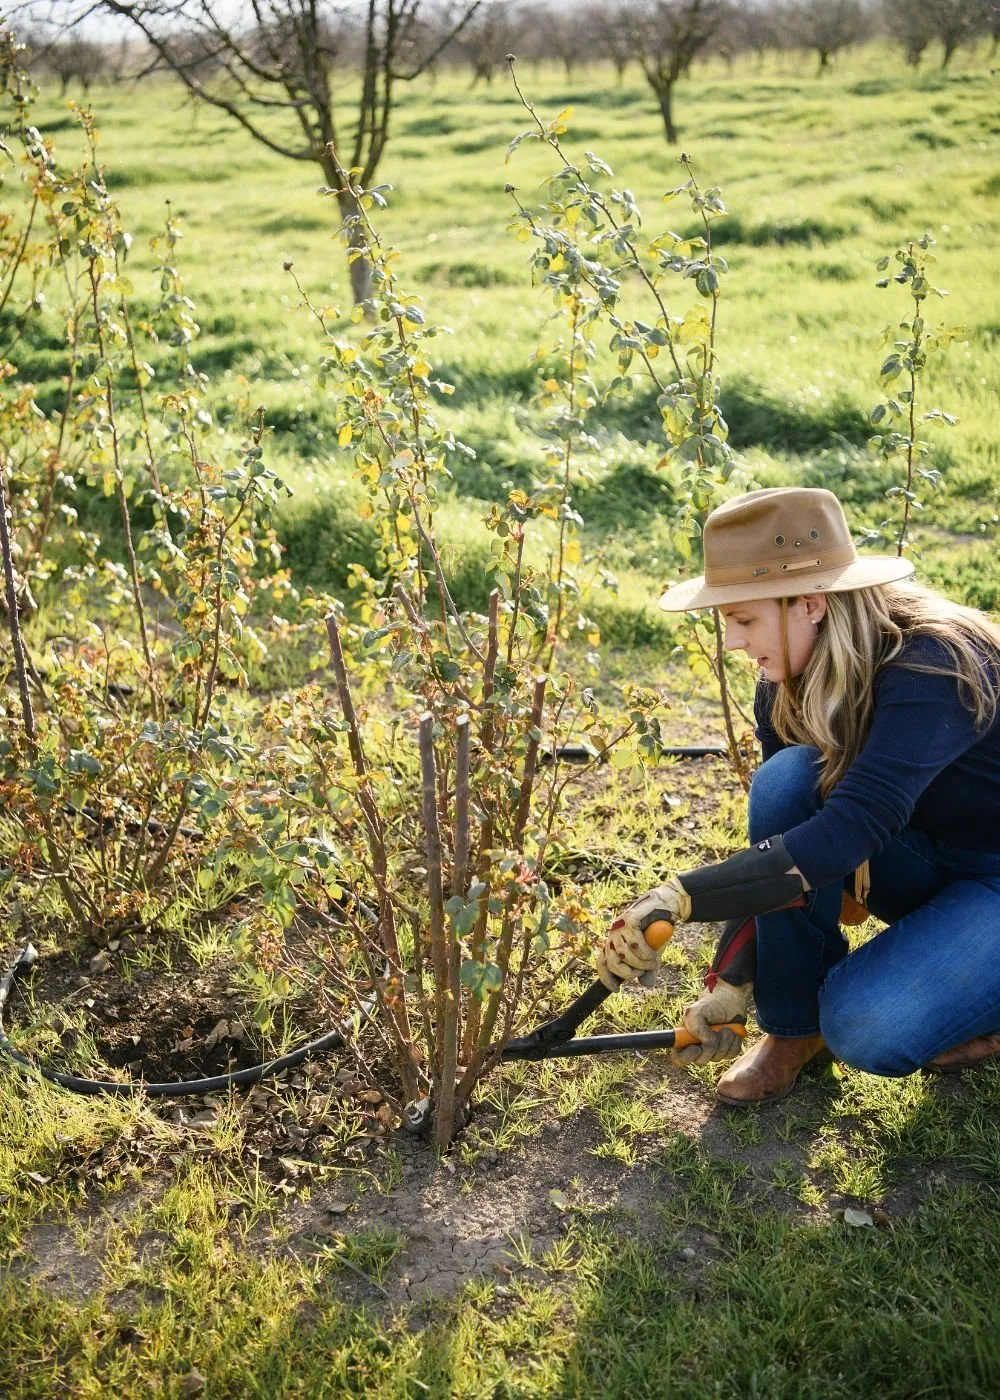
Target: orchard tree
{"points": [[754, 27], [912, 26], [293, 60], [954, 22], [70, 59], [484, 41], [991, 23], [827, 26], [562, 36], [668, 34], [608, 34], [198, 54]]}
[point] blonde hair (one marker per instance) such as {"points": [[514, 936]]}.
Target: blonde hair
{"points": [[831, 704]]}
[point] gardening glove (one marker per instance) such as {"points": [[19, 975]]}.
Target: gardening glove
{"points": [[725, 1002], [625, 953], [728, 984]]}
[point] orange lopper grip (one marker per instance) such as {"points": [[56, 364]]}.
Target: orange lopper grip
{"points": [[683, 1037], [659, 933]]}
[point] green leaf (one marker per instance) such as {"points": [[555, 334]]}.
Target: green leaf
{"points": [[707, 282], [466, 920], [481, 978], [445, 668]]}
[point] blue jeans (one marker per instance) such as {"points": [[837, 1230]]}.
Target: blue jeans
{"points": [[927, 982]]}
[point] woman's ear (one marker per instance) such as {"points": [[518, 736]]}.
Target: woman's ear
{"points": [[815, 606]]}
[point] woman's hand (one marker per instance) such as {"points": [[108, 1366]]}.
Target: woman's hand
{"points": [[625, 953], [724, 1003]]}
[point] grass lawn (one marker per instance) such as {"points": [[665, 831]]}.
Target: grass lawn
{"points": [[821, 177], [603, 1228]]}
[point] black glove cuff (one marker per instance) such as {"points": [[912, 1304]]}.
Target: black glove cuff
{"points": [[754, 881]]}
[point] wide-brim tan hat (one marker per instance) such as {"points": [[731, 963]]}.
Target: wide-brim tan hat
{"points": [[778, 543]]}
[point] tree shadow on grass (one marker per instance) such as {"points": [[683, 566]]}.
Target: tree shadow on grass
{"points": [[755, 417], [778, 1308], [737, 1294]]}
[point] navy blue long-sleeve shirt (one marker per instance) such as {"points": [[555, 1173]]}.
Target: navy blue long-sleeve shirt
{"points": [[922, 765]]}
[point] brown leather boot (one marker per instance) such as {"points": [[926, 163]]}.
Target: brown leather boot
{"points": [[970, 1052], [768, 1072]]}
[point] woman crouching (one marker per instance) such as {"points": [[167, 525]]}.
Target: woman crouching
{"points": [[877, 713]]}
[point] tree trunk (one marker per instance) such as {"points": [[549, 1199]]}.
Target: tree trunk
{"points": [[666, 94], [949, 48], [824, 61]]}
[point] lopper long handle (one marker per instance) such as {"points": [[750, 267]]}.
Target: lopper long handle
{"points": [[656, 936], [682, 1036]]}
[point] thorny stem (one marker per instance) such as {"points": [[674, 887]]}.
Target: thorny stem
{"points": [[602, 204], [17, 641], [567, 470], [123, 510], [506, 940], [375, 835], [374, 253], [154, 475], [708, 363], [516, 594], [445, 999], [487, 735], [911, 439]]}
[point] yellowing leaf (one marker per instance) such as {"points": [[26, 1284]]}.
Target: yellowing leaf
{"points": [[345, 435], [421, 369]]}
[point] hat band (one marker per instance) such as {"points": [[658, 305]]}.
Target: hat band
{"points": [[717, 576]]}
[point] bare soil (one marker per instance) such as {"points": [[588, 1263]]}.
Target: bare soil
{"points": [[185, 1021]]}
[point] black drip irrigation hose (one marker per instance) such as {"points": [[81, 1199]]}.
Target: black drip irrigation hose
{"points": [[586, 753], [253, 1074]]}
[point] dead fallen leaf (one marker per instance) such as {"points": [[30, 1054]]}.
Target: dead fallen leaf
{"points": [[38, 1178], [559, 1199], [337, 1207], [99, 962], [220, 1031], [191, 1384], [857, 1218]]}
